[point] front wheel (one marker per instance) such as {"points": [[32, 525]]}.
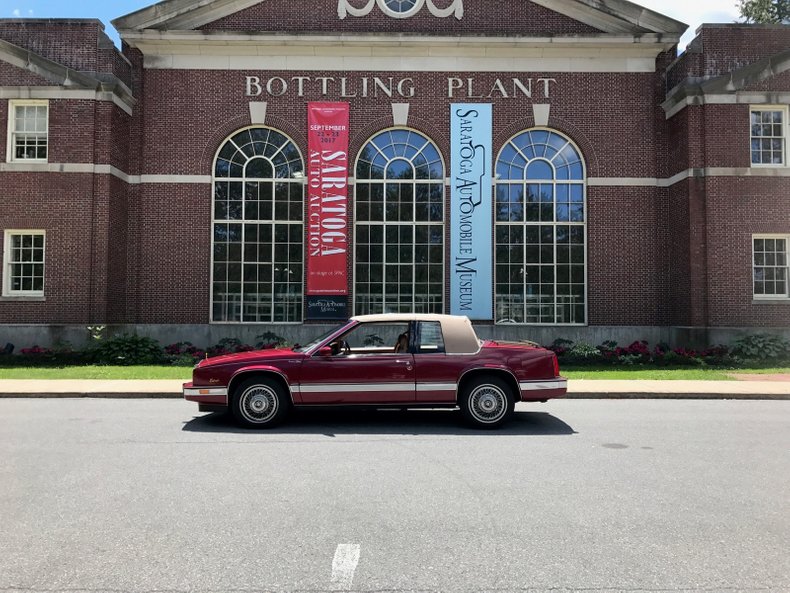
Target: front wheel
{"points": [[486, 402], [259, 402]]}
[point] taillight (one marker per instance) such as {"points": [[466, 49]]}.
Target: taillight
{"points": [[556, 366]]}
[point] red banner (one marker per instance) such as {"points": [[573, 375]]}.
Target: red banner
{"points": [[327, 199]]}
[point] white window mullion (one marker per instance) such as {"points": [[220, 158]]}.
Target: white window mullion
{"points": [[30, 282], [28, 131], [768, 135]]}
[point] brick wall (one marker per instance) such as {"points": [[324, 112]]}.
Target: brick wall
{"points": [[60, 204], [13, 76], [140, 253], [611, 116], [736, 209], [481, 17], [675, 214], [720, 49], [729, 47], [174, 252], [3, 129], [625, 271], [79, 44], [73, 43]]}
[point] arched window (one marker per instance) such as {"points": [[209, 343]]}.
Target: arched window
{"points": [[257, 271], [540, 231], [399, 231]]}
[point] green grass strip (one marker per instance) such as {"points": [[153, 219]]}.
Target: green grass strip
{"points": [[185, 373]]}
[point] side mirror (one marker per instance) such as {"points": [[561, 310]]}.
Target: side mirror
{"points": [[325, 351]]}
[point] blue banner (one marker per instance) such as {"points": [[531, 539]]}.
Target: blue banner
{"points": [[471, 211]]}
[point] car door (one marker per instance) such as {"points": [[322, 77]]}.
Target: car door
{"points": [[369, 371], [436, 373]]}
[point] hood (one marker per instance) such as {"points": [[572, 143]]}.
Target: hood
{"points": [[253, 356]]}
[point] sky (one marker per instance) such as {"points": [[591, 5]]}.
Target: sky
{"points": [[691, 12]]}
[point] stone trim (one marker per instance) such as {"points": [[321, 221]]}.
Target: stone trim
{"points": [[180, 14], [200, 50], [42, 92], [68, 81], [206, 179], [616, 16], [728, 89]]}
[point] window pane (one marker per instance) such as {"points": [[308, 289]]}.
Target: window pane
{"points": [[257, 274], [770, 267], [25, 260], [767, 137], [29, 134], [539, 237], [391, 275]]}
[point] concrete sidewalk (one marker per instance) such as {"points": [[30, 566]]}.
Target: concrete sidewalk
{"points": [[587, 389]]}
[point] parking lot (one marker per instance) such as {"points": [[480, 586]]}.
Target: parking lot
{"points": [[595, 495]]}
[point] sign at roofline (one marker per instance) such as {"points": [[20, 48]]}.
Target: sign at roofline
{"points": [[390, 87]]}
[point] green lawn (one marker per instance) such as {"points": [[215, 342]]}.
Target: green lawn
{"points": [[676, 374], [185, 373], [97, 372]]}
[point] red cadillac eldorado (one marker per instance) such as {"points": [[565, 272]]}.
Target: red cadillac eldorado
{"points": [[390, 360]]}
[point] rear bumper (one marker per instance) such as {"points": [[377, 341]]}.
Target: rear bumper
{"points": [[541, 390], [205, 395]]}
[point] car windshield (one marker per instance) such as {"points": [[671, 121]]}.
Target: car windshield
{"points": [[319, 339]]}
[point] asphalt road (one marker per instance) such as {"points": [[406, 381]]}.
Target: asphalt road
{"points": [[584, 495]]}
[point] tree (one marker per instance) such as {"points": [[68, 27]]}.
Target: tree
{"points": [[765, 11]]}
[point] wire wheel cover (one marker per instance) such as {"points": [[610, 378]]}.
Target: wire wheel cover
{"points": [[487, 403], [259, 403]]}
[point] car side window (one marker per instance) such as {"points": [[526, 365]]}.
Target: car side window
{"points": [[431, 339], [378, 338]]}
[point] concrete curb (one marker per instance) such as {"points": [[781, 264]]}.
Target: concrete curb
{"points": [[577, 395], [637, 395], [91, 395]]}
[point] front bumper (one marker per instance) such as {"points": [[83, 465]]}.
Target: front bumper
{"points": [[205, 395]]}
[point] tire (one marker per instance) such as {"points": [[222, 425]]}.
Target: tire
{"points": [[259, 402], [486, 402]]}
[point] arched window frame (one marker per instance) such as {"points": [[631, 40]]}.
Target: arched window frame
{"points": [[560, 316], [295, 231], [432, 182]]}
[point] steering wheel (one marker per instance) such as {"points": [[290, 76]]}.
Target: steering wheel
{"points": [[345, 347]]}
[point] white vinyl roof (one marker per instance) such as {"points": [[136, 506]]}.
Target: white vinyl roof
{"points": [[457, 331]]}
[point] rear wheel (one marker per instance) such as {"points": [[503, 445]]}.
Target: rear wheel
{"points": [[259, 402], [486, 402]]}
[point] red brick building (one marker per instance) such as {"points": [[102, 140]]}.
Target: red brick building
{"points": [[166, 188]]}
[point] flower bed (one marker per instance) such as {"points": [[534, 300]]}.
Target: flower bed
{"points": [[126, 349]]}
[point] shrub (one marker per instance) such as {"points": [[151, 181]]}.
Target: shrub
{"points": [[560, 346], [270, 340], [680, 357], [36, 351], [718, 356], [763, 347], [583, 353], [127, 349], [183, 354], [227, 346]]}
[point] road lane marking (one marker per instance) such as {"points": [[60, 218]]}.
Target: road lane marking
{"points": [[344, 564]]}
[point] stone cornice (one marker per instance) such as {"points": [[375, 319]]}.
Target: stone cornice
{"points": [[199, 50], [616, 16], [65, 77], [215, 43], [726, 88], [180, 14]]}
